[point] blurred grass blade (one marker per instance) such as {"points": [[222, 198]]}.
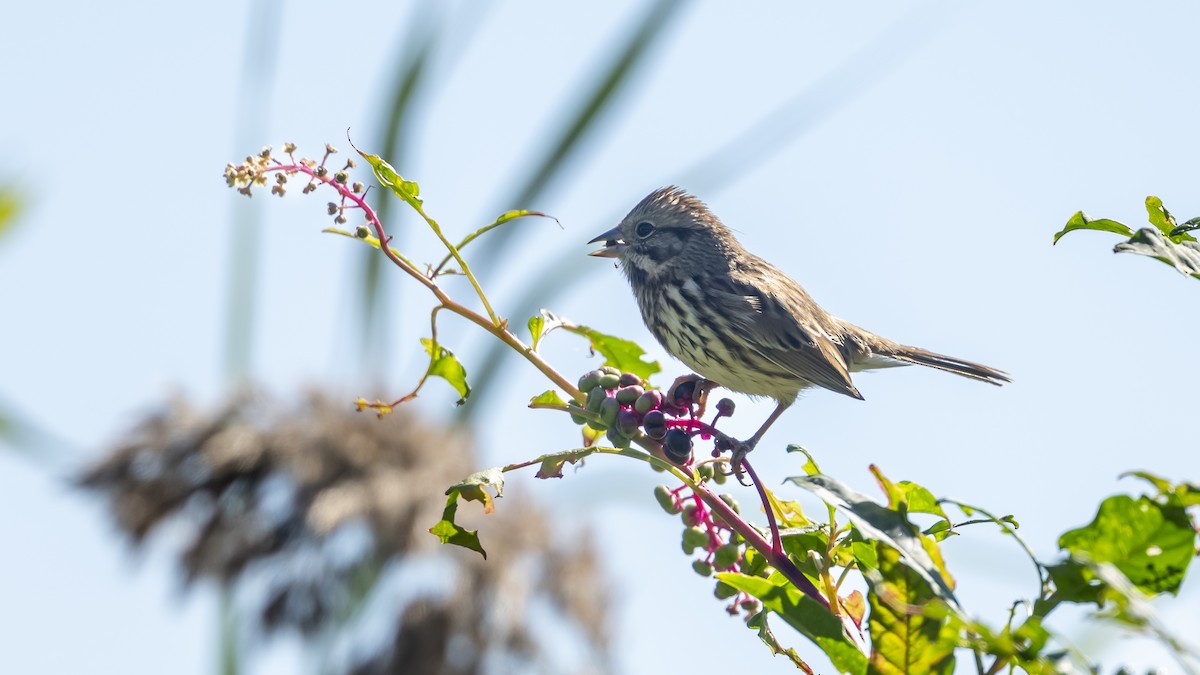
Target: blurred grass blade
{"points": [[414, 60], [604, 94]]}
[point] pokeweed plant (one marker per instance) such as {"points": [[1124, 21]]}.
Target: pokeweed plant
{"points": [[804, 571]]}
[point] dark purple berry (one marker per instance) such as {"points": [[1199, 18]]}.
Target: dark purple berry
{"points": [[655, 424], [627, 423], [684, 393], [677, 446], [725, 407], [629, 379]]}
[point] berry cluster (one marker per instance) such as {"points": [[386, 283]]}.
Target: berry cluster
{"points": [[621, 406], [704, 531]]}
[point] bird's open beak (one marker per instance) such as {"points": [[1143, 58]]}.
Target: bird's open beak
{"points": [[613, 246]]}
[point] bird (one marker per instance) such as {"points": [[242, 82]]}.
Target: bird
{"points": [[740, 322]]}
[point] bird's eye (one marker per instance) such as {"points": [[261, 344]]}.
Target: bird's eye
{"points": [[644, 229]]}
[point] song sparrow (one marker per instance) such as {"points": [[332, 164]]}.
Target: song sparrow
{"points": [[736, 319]]}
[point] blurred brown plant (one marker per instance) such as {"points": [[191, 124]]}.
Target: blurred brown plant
{"points": [[305, 511]]}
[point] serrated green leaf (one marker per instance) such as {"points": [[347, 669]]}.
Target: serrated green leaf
{"points": [[547, 399], [875, 521], [450, 533], [475, 488], [904, 639], [443, 364], [552, 464], [1150, 543], [624, 355], [805, 615], [1080, 221]]}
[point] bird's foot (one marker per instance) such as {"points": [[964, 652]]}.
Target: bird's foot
{"points": [[740, 451]]}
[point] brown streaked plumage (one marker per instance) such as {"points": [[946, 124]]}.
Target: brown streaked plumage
{"points": [[738, 320]]}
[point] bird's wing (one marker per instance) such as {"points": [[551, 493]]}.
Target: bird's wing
{"points": [[772, 330]]}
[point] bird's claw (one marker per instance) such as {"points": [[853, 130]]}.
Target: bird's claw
{"points": [[735, 461]]}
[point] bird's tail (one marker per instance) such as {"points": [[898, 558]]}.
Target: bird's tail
{"points": [[875, 351], [924, 357]]}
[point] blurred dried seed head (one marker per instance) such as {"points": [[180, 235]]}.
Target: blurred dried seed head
{"points": [[307, 511]]}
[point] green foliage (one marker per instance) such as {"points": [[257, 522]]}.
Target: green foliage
{"points": [[443, 364], [796, 567], [805, 615], [908, 633], [1166, 241]]}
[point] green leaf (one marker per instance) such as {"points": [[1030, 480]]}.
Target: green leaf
{"points": [[1189, 226], [1160, 217], [758, 623], [889, 526], [547, 399], [504, 218], [407, 190], [805, 615], [810, 465], [443, 364], [537, 324], [1183, 256], [1150, 543], [905, 638], [552, 464], [1080, 221], [477, 487], [624, 355], [450, 533]]}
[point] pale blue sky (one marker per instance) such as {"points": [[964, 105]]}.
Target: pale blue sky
{"points": [[921, 206]]}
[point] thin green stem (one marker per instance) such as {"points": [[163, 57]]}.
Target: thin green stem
{"points": [[466, 269]]}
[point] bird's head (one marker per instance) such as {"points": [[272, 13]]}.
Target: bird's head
{"points": [[668, 230]]}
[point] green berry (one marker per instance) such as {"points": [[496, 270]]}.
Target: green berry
{"points": [[628, 395], [728, 499], [609, 408], [610, 381], [666, 500], [726, 556], [589, 381], [575, 416], [595, 397], [690, 515], [724, 591], [702, 568], [648, 401], [609, 370], [705, 471], [695, 537], [616, 438]]}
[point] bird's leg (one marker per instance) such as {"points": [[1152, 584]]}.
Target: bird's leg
{"points": [[744, 448]]}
